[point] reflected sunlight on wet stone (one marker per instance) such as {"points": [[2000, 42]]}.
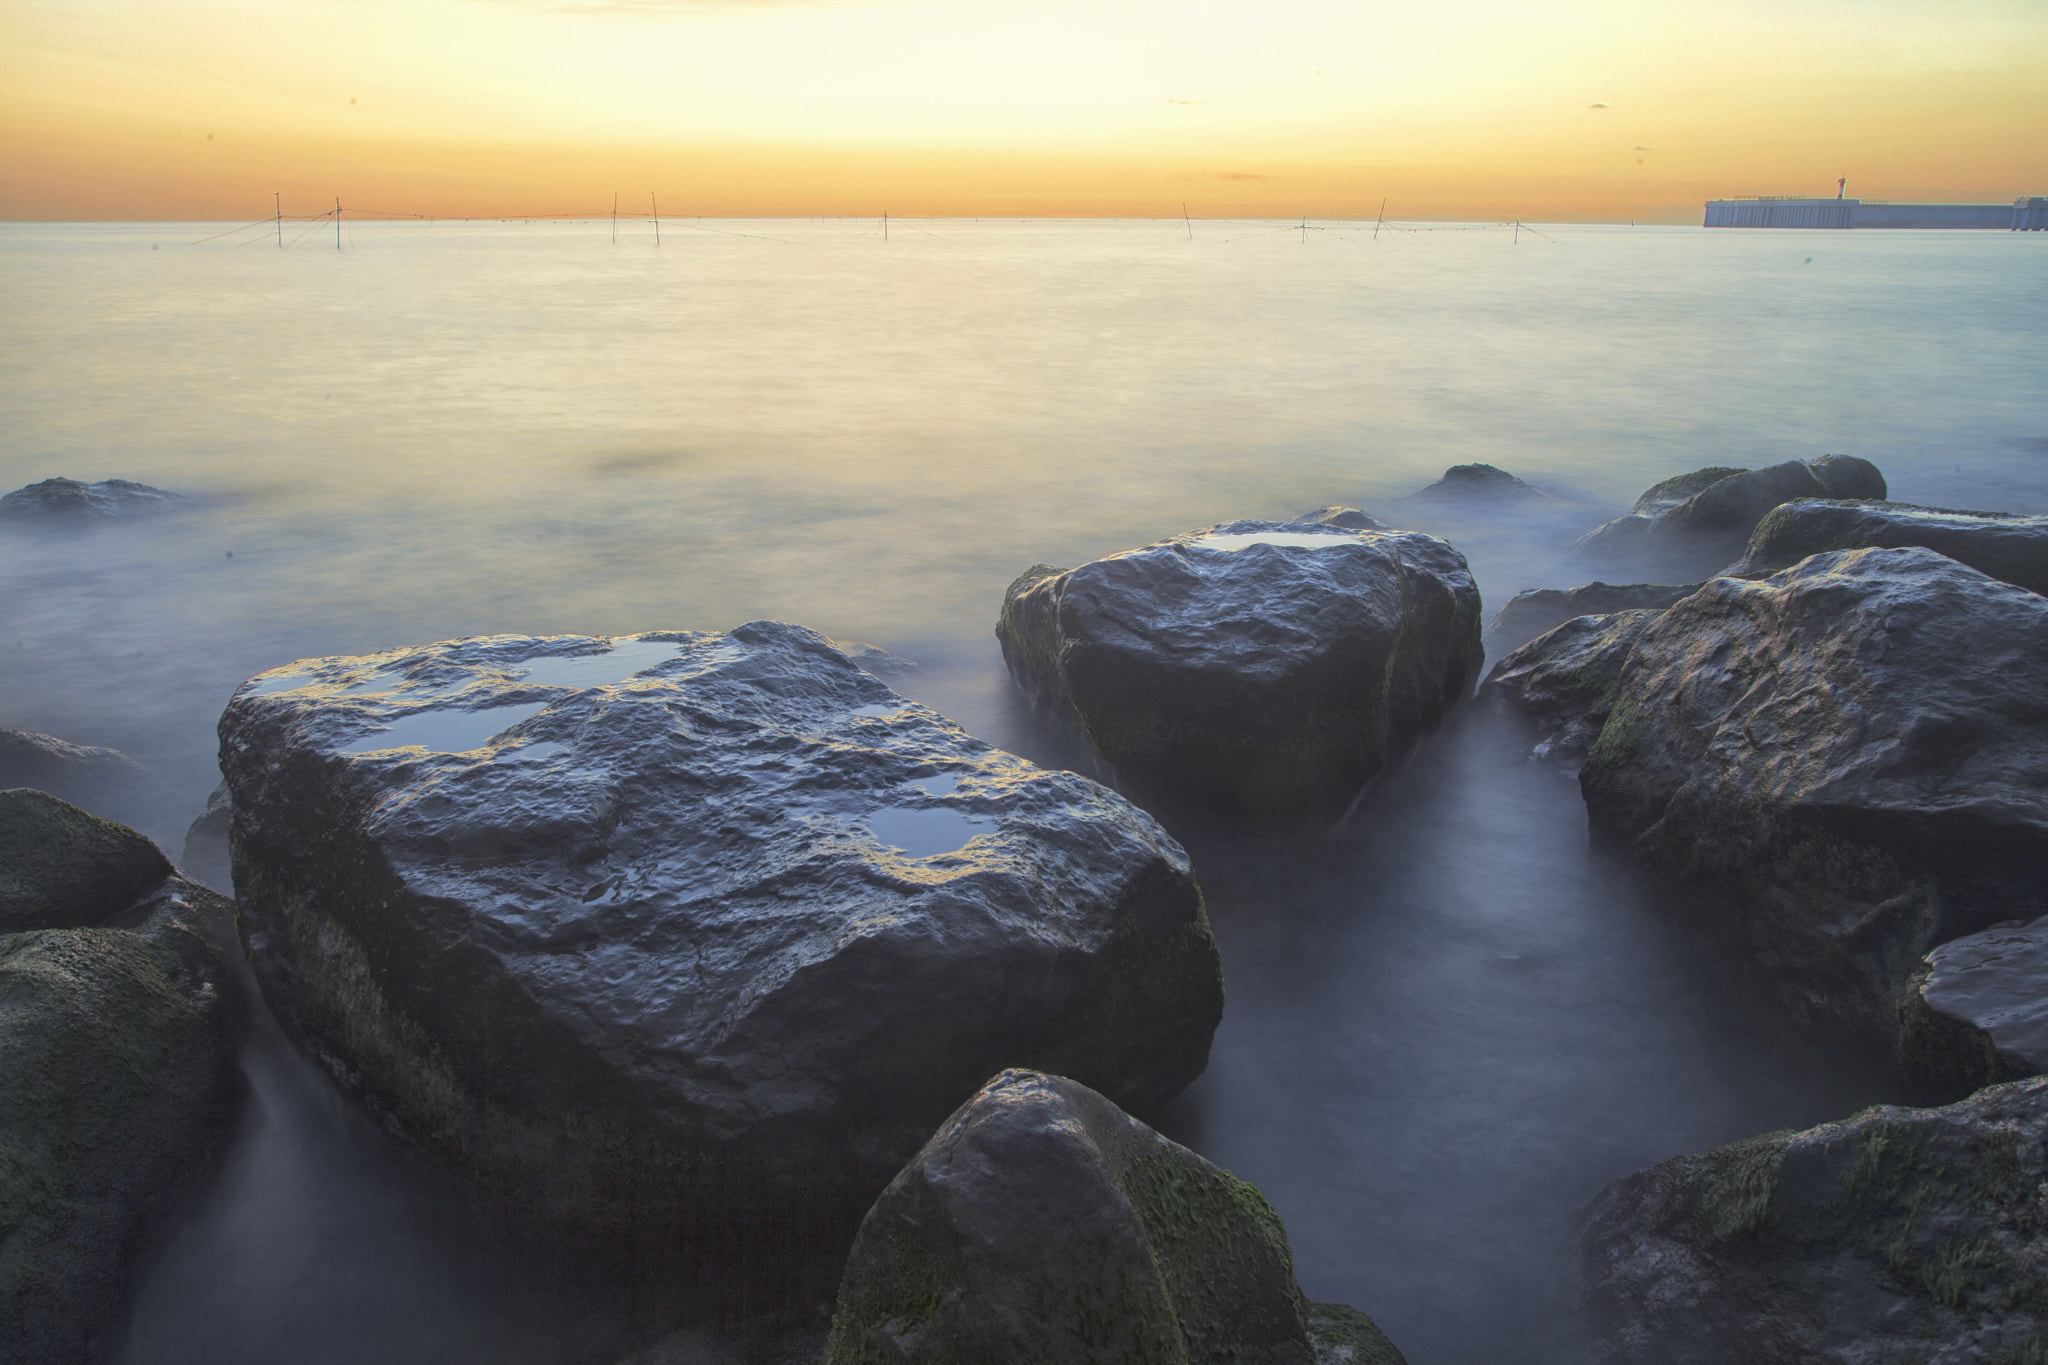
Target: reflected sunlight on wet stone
{"points": [[688, 928]]}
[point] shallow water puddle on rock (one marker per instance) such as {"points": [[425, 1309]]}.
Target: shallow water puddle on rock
{"points": [[445, 732], [1300, 540], [944, 784], [923, 833], [876, 708], [621, 662]]}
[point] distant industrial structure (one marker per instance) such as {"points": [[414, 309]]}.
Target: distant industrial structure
{"points": [[1774, 211]]}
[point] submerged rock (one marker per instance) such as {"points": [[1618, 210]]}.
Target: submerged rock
{"points": [[1902, 1235], [117, 1049], [1041, 1225], [1699, 520], [1565, 678], [690, 931], [1264, 669], [71, 500], [85, 774], [877, 660], [2013, 549], [1845, 760], [1350, 518], [61, 868], [1528, 614], [1976, 1012], [1476, 483], [205, 855]]}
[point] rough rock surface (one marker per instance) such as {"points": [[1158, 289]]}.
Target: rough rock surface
{"points": [[1699, 519], [1042, 1225], [1528, 614], [1264, 669], [1350, 518], [61, 868], [1976, 1012], [1565, 678], [687, 930], [117, 1049], [71, 500], [1901, 1237], [81, 773], [2013, 549], [1845, 759], [1476, 483], [877, 660]]}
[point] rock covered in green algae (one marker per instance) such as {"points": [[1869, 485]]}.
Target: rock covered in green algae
{"points": [[117, 1053], [1264, 669], [1899, 1237], [1976, 1012], [1697, 521], [61, 868], [1564, 679], [2013, 549], [1042, 1225], [690, 932], [1844, 760]]}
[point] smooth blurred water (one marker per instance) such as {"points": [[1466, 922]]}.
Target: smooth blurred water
{"points": [[1449, 1023]]}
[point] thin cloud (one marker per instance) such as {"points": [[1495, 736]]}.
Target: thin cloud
{"points": [[1240, 175], [1597, 104], [1187, 101], [644, 9]]}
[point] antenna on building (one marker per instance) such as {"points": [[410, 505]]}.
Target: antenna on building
{"points": [[1841, 187]]}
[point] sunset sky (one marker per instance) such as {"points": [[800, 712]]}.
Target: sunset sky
{"points": [[1574, 109]]}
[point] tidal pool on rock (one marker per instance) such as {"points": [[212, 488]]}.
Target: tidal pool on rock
{"points": [[1448, 1024]]}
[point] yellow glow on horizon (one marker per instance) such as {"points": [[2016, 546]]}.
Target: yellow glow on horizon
{"points": [[1479, 107]]}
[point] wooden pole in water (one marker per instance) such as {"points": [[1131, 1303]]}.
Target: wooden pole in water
{"points": [[885, 225], [615, 217], [657, 216], [277, 198], [337, 222], [1186, 221], [1382, 220]]}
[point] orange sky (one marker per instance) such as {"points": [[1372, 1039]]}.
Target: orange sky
{"points": [[1582, 109]]}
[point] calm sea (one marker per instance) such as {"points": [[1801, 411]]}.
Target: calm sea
{"points": [[1449, 1024]]}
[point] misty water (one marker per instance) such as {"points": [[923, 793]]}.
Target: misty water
{"points": [[1450, 1021]]}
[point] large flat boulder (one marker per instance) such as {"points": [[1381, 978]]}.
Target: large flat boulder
{"points": [[1264, 669], [1041, 1225], [1844, 761], [117, 1052], [1900, 1237], [1698, 521], [1531, 612], [1565, 679], [2011, 548], [686, 930], [1976, 1012]]}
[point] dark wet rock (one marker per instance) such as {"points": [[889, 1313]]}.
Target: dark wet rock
{"points": [[117, 1046], [58, 500], [1350, 518], [2013, 549], [1901, 1235], [91, 776], [687, 932], [1041, 1224], [205, 855], [877, 660], [61, 868], [1528, 614], [1565, 678], [1844, 761], [1976, 1012], [1476, 483], [1264, 669], [1700, 521]]}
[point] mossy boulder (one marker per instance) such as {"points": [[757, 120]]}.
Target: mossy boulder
{"points": [[1479, 484], [1690, 525], [2012, 549], [1266, 670], [61, 868], [1042, 1225], [690, 935], [117, 1049], [1976, 1011], [1842, 763], [1900, 1235], [1565, 678]]}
